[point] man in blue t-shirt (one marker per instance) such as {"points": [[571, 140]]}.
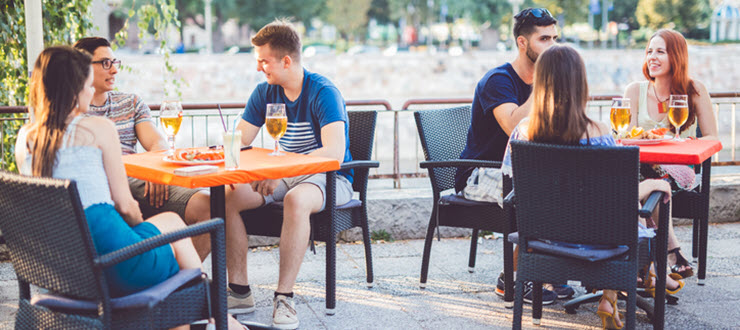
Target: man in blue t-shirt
{"points": [[501, 98], [317, 125]]}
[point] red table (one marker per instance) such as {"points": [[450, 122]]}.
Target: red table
{"points": [[689, 152]]}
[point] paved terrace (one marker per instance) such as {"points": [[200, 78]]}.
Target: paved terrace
{"points": [[453, 298]]}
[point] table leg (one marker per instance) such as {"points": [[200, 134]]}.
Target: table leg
{"points": [[218, 202], [706, 173]]}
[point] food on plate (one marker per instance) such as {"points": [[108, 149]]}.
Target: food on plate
{"points": [[195, 155], [653, 134]]}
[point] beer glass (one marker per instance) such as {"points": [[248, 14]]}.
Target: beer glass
{"points": [[276, 122], [170, 115], [678, 113], [620, 117]]}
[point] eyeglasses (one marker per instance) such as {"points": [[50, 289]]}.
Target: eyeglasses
{"points": [[108, 63], [533, 12]]}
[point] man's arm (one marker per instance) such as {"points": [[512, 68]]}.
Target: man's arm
{"points": [[508, 115], [333, 141], [150, 137], [249, 132]]}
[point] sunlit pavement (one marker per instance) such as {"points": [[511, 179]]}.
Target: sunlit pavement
{"points": [[453, 298]]}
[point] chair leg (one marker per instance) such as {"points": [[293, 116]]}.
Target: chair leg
{"points": [[703, 240], [695, 240], [518, 306], [631, 308], [508, 272], [427, 251], [573, 304], [537, 303], [368, 251], [331, 285], [473, 251]]}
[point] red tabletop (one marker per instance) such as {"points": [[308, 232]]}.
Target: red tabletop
{"points": [[255, 165], [689, 152]]}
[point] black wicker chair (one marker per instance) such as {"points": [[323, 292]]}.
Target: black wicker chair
{"points": [[327, 224], [694, 205], [580, 195], [443, 136], [50, 246]]}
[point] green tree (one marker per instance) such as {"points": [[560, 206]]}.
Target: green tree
{"points": [[380, 11], [491, 13], [64, 22], [350, 18], [566, 11], [683, 15], [257, 13]]}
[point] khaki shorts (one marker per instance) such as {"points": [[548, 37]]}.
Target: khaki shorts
{"points": [[343, 188], [178, 199]]}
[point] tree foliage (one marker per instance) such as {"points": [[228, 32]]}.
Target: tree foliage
{"points": [[682, 15], [491, 13], [257, 13], [566, 11], [64, 22], [349, 17]]}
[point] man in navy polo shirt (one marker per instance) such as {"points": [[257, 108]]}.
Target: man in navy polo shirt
{"points": [[317, 125], [502, 99]]}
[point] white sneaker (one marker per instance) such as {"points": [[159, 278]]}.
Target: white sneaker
{"points": [[284, 315], [239, 303]]}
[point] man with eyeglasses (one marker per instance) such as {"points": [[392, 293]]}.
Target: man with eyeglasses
{"points": [[134, 123], [502, 99]]}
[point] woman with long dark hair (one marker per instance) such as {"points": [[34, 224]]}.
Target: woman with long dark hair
{"points": [[63, 142]]}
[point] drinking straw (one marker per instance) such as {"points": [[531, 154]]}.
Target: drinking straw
{"points": [[222, 118]]}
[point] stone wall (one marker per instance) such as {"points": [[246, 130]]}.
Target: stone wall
{"points": [[405, 75]]}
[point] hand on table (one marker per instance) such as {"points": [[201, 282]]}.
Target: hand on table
{"points": [[265, 187], [157, 194]]}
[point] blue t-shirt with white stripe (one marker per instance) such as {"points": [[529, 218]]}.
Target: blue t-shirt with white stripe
{"points": [[319, 104]]}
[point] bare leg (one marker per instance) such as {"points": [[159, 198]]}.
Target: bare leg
{"points": [[238, 199], [185, 254], [300, 202], [672, 239], [199, 209]]}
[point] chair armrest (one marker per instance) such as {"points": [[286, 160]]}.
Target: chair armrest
{"points": [[360, 164], [459, 163], [510, 199], [651, 203], [133, 250]]}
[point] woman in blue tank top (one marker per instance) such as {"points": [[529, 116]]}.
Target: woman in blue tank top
{"points": [[62, 142]]}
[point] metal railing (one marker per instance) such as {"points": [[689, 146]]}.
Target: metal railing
{"points": [[205, 127]]}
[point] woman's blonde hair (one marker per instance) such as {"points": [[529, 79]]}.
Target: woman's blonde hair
{"points": [[560, 93]]}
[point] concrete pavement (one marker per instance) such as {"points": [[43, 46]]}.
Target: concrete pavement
{"points": [[453, 298]]}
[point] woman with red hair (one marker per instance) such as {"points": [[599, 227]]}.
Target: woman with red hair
{"points": [[666, 69]]}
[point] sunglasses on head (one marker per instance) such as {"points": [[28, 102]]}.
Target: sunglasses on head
{"points": [[534, 12]]}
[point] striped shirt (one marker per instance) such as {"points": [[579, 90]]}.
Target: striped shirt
{"points": [[126, 111]]}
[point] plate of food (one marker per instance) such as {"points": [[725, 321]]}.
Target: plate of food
{"points": [[196, 156], [640, 137]]}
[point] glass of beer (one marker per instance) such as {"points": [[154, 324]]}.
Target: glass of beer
{"points": [[277, 123], [678, 113], [620, 117], [170, 115]]}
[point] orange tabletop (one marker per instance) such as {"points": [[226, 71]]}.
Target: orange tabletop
{"points": [[255, 165], [689, 152]]}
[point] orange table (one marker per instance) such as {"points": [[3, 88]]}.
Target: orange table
{"points": [[689, 152], [254, 165]]}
